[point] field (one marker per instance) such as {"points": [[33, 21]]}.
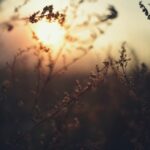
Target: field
{"points": [[55, 97]]}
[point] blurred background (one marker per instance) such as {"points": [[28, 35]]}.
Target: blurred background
{"points": [[78, 84], [131, 26]]}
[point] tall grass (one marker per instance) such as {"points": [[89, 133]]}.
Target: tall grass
{"points": [[105, 110]]}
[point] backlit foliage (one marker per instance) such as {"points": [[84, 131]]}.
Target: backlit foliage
{"points": [[43, 109]]}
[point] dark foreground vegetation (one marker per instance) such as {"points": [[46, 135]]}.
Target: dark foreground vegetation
{"points": [[107, 109]]}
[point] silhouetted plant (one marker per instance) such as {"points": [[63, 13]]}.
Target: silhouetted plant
{"points": [[144, 9], [107, 109]]}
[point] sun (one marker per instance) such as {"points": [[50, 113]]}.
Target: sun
{"points": [[49, 33]]}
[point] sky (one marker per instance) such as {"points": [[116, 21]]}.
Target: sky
{"points": [[131, 26]]}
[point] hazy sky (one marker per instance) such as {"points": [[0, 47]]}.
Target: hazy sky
{"points": [[131, 25]]}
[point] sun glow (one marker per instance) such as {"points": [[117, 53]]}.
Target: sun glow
{"points": [[50, 34]]}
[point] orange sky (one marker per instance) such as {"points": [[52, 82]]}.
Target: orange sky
{"points": [[131, 26]]}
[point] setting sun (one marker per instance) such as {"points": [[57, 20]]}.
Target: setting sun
{"points": [[50, 34], [74, 75]]}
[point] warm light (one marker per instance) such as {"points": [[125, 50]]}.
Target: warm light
{"points": [[50, 34]]}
